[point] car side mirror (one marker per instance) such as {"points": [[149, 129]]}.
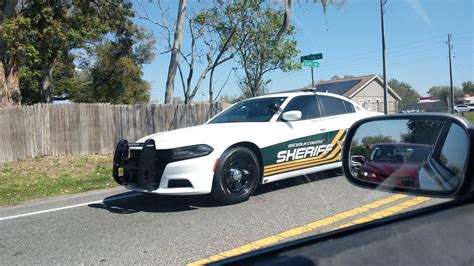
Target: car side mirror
{"points": [[417, 154], [292, 115]]}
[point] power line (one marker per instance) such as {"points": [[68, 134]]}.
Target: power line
{"points": [[437, 38], [351, 68], [398, 56], [464, 38], [366, 60], [429, 41], [389, 51], [463, 33], [373, 59]]}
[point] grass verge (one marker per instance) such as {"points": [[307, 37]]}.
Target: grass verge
{"points": [[470, 117], [50, 176]]}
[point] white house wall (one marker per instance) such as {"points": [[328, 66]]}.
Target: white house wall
{"points": [[371, 97]]}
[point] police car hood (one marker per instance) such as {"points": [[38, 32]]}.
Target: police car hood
{"points": [[206, 134]]}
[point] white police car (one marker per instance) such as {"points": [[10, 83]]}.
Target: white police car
{"points": [[253, 142]]}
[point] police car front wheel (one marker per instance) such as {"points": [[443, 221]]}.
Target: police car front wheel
{"points": [[236, 176]]}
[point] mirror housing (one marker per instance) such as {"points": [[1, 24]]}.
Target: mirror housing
{"points": [[292, 115], [355, 171]]}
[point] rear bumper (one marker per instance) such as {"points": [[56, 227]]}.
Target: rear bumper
{"points": [[141, 167]]}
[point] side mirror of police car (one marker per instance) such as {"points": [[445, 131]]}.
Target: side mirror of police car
{"points": [[416, 154], [292, 115]]}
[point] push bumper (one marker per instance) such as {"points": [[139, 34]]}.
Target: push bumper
{"points": [[138, 163], [140, 167]]}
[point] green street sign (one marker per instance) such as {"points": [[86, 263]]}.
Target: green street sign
{"points": [[311, 57], [310, 63]]}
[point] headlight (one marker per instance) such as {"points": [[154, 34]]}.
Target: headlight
{"points": [[190, 152], [368, 173]]}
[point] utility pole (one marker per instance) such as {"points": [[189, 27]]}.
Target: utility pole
{"points": [[451, 91], [385, 96]]}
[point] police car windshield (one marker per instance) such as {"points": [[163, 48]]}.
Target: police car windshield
{"points": [[253, 110]]}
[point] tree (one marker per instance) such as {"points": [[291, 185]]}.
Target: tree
{"points": [[358, 149], [115, 77], [9, 54], [217, 47], [247, 92], [208, 42], [178, 38], [288, 7], [229, 99], [468, 87], [178, 100], [226, 34], [409, 96], [367, 140], [442, 92], [50, 30], [66, 78], [262, 52], [367, 143], [423, 131]]}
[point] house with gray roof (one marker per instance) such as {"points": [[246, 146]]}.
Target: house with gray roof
{"points": [[364, 90]]}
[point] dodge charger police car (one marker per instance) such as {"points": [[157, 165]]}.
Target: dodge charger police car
{"points": [[253, 142]]}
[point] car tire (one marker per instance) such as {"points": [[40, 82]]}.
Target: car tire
{"points": [[236, 177]]}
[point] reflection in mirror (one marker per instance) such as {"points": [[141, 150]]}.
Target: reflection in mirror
{"points": [[417, 154]]}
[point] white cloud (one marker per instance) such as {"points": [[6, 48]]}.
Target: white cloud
{"points": [[419, 10]]}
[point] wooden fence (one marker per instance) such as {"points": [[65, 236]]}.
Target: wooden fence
{"points": [[53, 129]]}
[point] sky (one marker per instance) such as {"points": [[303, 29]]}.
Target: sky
{"points": [[349, 36]]}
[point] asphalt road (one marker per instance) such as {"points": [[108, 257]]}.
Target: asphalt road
{"points": [[119, 227]]}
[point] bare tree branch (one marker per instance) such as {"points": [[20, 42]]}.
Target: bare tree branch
{"points": [[182, 80], [225, 83], [286, 19], [177, 40]]}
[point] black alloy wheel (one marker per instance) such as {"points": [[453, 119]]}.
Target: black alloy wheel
{"points": [[236, 177]]}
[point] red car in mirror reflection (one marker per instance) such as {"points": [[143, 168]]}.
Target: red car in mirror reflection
{"points": [[394, 164]]}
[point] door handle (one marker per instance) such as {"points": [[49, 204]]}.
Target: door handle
{"points": [[322, 129]]}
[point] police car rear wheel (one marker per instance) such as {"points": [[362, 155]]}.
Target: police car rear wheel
{"points": [[236, 176]]}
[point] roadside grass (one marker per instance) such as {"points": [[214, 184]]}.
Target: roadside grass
{"points": [[51, 176], [469, 116]]}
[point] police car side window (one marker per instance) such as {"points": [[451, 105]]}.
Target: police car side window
{"points": [[335, 106], [306, 104], [349, 107]]}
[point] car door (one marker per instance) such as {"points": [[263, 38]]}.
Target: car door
{"points": [[302, 144], [338, 116]]}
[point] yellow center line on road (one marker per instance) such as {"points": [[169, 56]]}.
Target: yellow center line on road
{"points": [[301, 230], [384, 213]]}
